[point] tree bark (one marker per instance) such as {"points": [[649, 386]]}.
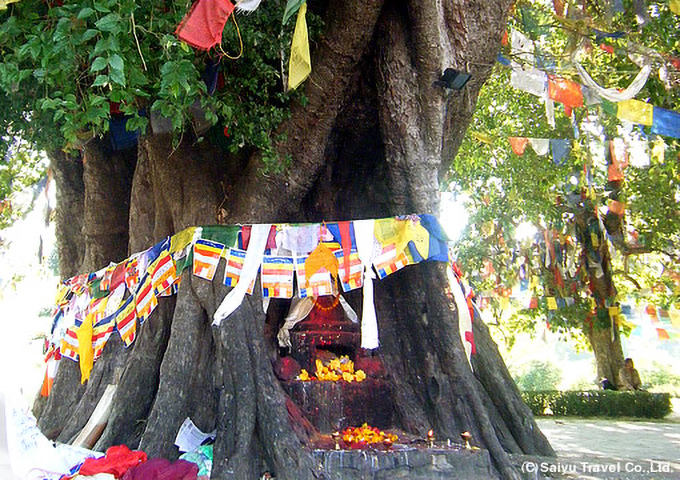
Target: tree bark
{"points": [[67, 172], [371, 141], [603, 335]]}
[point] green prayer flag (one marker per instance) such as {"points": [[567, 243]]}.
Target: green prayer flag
{"points": [[224, 234], [292, 6], [184, 262]]}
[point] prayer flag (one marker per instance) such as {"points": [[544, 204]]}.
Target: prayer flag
{"points": [[666, 122], [518, 144], [277, 276], [321, 258], [181, 240], [163, 273], [206, 258], [85, 350], [232, 271], [389, 261], [552, 303], [126, 321], [69, 344], [540, 145], [635, 111], [531, 81], [318, 285], [132, 274], [145, 299], [482, 137], [565, 91], [617, 207], [101, 332], [300, 65], [354, 278], [674, 5], [292, 6], [202, 27], [560, 149]]}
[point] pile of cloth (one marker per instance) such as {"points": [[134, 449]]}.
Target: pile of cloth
{"points": [[122, 463]]}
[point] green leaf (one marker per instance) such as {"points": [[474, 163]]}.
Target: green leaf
{"points": [[116, 62], [86, 12], [99, 63], [117, 76], [100, 81], [89, 34], [110, 23], [101, 8]]}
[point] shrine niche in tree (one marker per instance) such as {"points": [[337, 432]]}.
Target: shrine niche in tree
{"points": [[339, 384]]}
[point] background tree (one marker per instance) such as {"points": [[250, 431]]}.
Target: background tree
{"points": [[523, 205], [367, 137]]}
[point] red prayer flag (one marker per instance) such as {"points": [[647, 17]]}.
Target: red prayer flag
{"points": [[202, 27], [565, 91]]}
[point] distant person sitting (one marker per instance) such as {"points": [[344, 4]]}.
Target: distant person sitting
{"points": [[607, 385], [629, 378]]}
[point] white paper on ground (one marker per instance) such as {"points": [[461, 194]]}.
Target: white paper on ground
{"points": [[32, 455], [190, 437]]}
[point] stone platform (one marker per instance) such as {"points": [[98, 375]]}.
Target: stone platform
{"points": [[412, 464]]}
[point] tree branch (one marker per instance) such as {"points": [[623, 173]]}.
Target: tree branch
{"points": [[350, 28]]}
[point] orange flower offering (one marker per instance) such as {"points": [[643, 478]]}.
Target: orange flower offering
{"points": [[357, 437], [335, 370]]}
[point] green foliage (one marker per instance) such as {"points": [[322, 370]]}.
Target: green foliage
{"points": [[506, 192], [660, 378], [599, 403], [20, 167], [537, 375], [62, 65]]}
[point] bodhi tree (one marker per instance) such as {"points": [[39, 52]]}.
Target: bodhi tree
{"points": [[367, 135], [552, 225]]}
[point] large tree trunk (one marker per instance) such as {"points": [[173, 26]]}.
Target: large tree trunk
{"points": [[370, 142]]}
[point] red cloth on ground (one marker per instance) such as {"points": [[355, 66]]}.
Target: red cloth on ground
{"points": [[117, 461], [202, 27], [162, 469]]}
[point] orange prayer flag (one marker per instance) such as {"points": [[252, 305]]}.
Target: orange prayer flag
{"points": [[565, 91], [518, 144], [617, 207], [321, 257]]}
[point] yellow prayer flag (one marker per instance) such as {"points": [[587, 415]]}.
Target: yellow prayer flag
{"points": [[659, 150], [4, 3], [390, 231], [552, 303], [505, 303], [635, 111], [300, 65], [180, 240], [85, 350], [482, 137], [674, 5], [614, 311]]}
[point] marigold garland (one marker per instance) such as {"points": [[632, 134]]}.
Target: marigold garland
{"points": [[335, 370], [366, 435]]}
